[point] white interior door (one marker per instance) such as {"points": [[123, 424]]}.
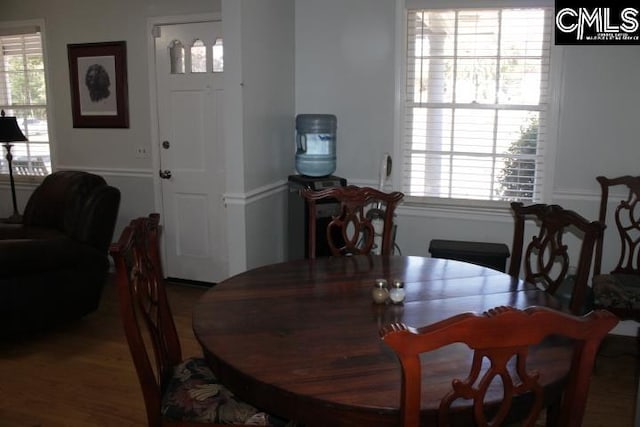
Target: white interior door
{"points": [[189, 96]]}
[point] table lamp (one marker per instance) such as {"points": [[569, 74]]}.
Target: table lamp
{"points": [[10, 132]]}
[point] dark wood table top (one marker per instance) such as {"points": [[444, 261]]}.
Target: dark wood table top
{"points": [[300, 339]]}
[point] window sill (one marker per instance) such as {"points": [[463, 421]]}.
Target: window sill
{"points": [[25, 180], [456, 209]]}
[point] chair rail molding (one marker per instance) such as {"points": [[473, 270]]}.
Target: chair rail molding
{"points": [[120, 172], [252, 196], [580, 194]]}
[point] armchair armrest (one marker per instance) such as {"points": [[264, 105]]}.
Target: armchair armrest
{"points": [[11, 231], [31, 256]]}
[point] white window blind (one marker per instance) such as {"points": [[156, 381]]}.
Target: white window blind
{"points": [[23, 94], [476, 102]]}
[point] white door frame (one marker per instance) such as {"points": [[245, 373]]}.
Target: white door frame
{"points": [[153, 95]]}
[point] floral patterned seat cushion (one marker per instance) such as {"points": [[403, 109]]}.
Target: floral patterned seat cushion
{"points": [[617, 291], [194, 394]]}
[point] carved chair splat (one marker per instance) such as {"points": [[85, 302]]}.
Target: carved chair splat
{"points": [[177, 392], [619, 290], [353, 230], [499, 335], [546, 255]]}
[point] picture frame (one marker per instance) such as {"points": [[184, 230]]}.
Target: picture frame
{"points": [[98, 77]]}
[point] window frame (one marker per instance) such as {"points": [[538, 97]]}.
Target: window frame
{"points": [[16, 28], [473, 206]]}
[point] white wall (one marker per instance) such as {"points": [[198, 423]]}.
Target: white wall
{"points": [[268, 117], [599, 124], [108, 152], [258, 34], [259, 115], [345, 66]]}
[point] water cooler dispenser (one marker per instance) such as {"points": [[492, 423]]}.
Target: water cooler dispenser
{"points": [[298, 226], [316, 144]]}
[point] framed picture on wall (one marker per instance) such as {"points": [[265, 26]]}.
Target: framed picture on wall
{"points": [[98, 74]]}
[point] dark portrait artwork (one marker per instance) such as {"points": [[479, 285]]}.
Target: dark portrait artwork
{"points": [[96, 75], [97, 81]]}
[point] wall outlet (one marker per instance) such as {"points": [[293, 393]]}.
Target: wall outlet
{"points": [[142, 152]]}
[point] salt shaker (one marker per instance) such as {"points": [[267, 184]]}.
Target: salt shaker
{"points": [[397, 294], [380, 293]]}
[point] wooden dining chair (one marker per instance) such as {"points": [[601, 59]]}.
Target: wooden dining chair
{"points": [[504, 336], [176, 391], [546, 257], [618, 290], [363, 224]]}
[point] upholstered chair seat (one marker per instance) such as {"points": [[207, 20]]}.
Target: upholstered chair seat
{"points": [[617, 291], [194, 394]]}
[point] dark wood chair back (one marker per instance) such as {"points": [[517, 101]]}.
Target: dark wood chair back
{"points": [[546, 256], [504, 336], [624, 278], [144, 308], [363, 213], [167, 380]]}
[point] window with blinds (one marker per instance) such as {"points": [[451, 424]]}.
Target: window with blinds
{"points": [[476, 103], [23, 94]]}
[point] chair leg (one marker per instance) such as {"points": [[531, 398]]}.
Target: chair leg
{"points": [[553, 413], [637, 411]]}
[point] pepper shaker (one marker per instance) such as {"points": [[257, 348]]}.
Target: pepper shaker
{"points": [[380, 293]]}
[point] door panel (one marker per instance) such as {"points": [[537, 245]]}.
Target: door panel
{"points": [[189, 128]]}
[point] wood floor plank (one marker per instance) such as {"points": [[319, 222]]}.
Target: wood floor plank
{"points": [[81, 374]]}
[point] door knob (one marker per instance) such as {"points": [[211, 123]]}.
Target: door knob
{"points": [[164, 174]]}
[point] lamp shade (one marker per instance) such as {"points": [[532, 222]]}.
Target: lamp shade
{"points": [[9, 129]]}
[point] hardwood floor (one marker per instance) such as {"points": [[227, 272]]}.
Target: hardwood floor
{"points": [[82, 375]]}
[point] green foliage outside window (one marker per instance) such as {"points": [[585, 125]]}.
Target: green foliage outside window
{"points": [[26, 84], [517, 178]]}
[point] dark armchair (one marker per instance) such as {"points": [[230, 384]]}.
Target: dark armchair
{"points": [[55, 263]]}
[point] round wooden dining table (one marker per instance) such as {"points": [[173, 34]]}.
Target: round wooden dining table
{"points": [[300, 339]]}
